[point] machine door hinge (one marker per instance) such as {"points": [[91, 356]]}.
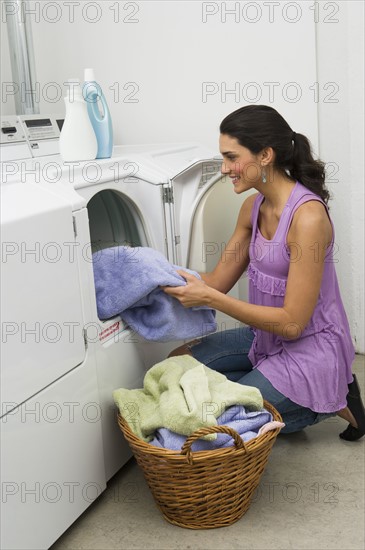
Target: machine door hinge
{"points": [[84, 332], [177, 240], [74, 225], [167, 195]]}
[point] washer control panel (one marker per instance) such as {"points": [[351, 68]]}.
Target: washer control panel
{"points": [[11, 130], [38, 127], [24, 136]]}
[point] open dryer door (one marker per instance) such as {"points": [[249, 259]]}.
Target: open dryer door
{"points": [[212, 226], [205, 211]]}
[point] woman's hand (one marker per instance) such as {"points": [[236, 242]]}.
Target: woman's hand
{"points": [[195, 293]]}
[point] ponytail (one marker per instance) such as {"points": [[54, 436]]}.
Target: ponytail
{"points": [[307, 170], [258, 126]]}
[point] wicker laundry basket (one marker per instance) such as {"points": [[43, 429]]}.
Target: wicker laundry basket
{"points": [[204, 489]]}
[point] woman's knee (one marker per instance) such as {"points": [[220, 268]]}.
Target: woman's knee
{"points": [[181, 350]]}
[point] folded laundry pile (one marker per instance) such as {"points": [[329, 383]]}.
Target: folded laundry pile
{"points": [[182, 395], [248, 424], [127, 283]]}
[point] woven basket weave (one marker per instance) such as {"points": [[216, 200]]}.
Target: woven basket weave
{"points": [[204, 489]]}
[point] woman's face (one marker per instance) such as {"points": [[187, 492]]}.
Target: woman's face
{"points": [[239, 164]]}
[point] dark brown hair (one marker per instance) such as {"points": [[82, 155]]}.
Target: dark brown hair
{"points": [[258, 126]]}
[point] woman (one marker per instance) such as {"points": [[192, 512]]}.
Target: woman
{"points": [[297, 348]]}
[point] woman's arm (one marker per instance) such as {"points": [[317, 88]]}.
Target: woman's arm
{"points": [[235, 258], [308, 239]]}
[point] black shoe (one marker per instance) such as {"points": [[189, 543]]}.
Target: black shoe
{"points": [[357, 409]]}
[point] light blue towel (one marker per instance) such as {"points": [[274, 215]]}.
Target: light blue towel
{"points": [[127, 282], [246, 423]]}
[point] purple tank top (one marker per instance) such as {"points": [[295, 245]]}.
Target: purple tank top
{"points": [[314, 369]]}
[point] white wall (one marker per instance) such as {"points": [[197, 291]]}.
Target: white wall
{"points": [[160, 54], [340, 53], [154, 60]]}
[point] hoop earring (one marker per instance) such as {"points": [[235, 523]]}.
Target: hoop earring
{"points": [[263, 175]]}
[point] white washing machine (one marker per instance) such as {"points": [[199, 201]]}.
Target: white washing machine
{"points": [[52, 460], [60, 364]]}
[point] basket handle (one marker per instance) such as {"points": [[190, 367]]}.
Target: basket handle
{"points": [[186, 448]]}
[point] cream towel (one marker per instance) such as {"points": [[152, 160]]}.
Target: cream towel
{"points": [[182, 395]]}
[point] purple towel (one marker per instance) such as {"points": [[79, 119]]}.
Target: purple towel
{"points": [[246, 423], [127, 282]]}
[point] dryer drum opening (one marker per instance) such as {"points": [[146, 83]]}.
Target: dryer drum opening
{"points": [[114, 221]]}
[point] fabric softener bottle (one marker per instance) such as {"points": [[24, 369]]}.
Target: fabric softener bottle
{"points": [[101, 122]]}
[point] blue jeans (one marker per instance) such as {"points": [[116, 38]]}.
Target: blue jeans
{"points": [[227, 353]]}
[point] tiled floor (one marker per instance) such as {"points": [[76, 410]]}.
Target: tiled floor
{"points": [[311, 496]]}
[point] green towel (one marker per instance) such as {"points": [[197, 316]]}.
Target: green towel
{"points": [[182, 395]]}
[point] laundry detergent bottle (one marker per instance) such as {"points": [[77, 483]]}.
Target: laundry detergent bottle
{"points": [[77, 140], [101, 121]]}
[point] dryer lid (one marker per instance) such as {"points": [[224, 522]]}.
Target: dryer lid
{"points": [[154, 163], [168, 160]]}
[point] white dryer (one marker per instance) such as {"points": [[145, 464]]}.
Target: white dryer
{"points": [[166, 196], [59, 359]]}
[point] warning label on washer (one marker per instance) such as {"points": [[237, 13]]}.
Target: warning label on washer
{"points": [[108, 332]]}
